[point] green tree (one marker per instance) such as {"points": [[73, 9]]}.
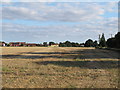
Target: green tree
{"points": [[95, 43], [21, 45], [51, 43], [114, 42], [89, 43], [68, 44], [8, 45], [62, 45], [45, 44], [117, 37], [75, 44], [102, 42], [111, 42]]}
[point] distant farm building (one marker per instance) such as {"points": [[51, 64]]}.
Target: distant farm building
{"points": [[54, 45], [82, 45], [2, 44], [17, 44]]}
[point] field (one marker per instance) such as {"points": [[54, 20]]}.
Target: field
{"points": [[57, 67]]}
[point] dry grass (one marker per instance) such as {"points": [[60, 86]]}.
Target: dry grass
{"points": [[55, 67]]}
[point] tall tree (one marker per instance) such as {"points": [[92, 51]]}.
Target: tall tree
{"points": [[102, 41]]}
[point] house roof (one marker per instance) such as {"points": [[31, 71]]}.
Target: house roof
{"points": [[17, 42]]}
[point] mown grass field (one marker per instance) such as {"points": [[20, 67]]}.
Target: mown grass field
{"points": [[57, 67]]}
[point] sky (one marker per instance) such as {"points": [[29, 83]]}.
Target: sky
{"points": [[58, 21]]}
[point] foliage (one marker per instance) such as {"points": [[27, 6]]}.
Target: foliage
{"points": [[62, 45], [114, 42], [89, 43], [102, 42], [111, 42], [45, 44], [69, 44], [95, 43], [117, 37], [51, 43], [7, 44]]}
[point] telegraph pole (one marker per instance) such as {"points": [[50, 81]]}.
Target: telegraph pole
{"points": [[99, 39], [111, 35]]}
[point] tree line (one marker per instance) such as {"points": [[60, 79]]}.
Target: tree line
{"points": [[63, 44], [88, 43], [114, 42]]}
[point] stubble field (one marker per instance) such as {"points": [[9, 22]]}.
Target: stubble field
{"points": [[59, 67]]}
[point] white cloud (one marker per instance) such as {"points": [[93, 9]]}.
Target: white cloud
{"points": [[108, 26], [59, 12], [89, 15]]}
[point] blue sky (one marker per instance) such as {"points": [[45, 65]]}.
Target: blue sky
{"points": [[58, 21]]}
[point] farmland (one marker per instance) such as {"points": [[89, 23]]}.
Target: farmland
{"points": [[59, 67]]}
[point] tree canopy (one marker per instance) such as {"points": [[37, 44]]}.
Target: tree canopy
{"points": [[102, 42], [114, 42]]}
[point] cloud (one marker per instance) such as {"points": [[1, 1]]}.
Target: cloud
{"points": [[88, 19], [43, 12], [62, 31]]}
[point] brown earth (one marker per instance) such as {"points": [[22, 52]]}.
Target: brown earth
{"points": [[57, 67]]}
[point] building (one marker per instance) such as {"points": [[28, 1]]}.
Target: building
{"points": [[3, 44], [82, 45], [17, 44], [54, 45], [31, 44]]}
